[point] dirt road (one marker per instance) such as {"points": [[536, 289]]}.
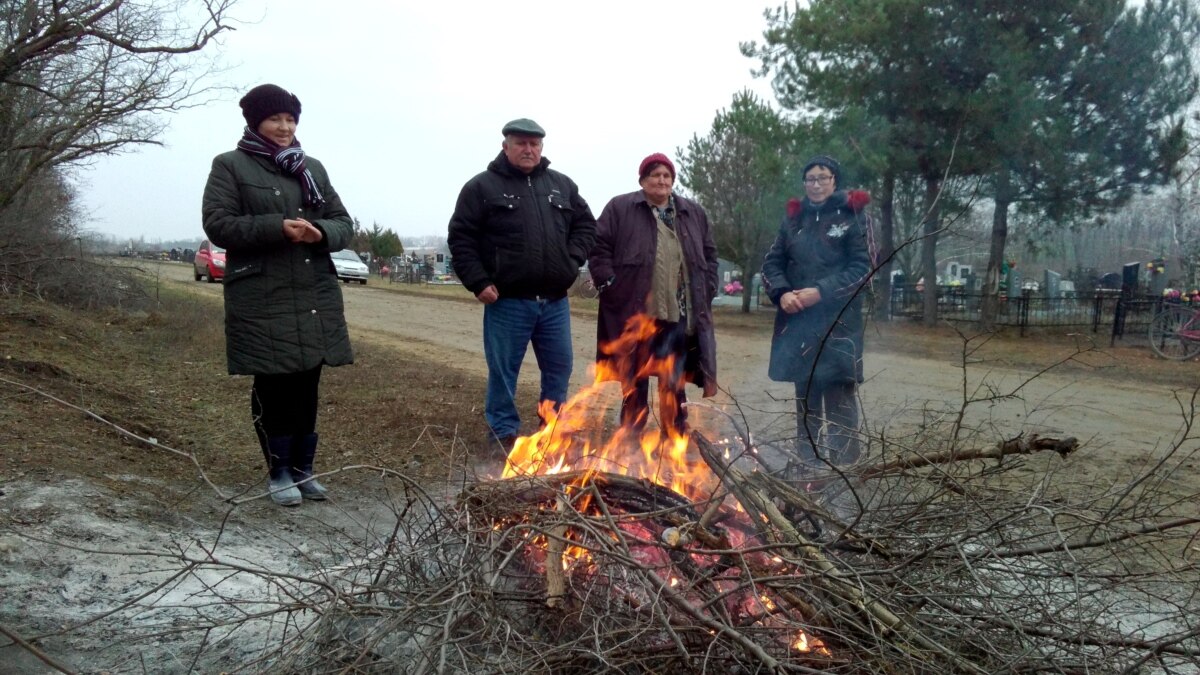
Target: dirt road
{"points": [[1120, 422]]}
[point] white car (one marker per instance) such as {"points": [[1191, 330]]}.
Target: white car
{"points": [[349, 266]]}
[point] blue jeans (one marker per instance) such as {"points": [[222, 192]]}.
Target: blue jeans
{"points": [[509, 325]]}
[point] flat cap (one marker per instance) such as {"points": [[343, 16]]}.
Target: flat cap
{"points": [[523, 126]]}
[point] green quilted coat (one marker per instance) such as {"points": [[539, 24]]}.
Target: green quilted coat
{"points": [[283, 304]]}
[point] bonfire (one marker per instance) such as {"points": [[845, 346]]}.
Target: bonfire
{"points": [[693, 536]]}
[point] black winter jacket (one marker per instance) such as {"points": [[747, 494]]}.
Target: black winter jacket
{"points": [[526, 234], [826, 247]]}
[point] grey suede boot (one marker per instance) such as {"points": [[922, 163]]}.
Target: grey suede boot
{"points": [[279, 476], [304, 451]]}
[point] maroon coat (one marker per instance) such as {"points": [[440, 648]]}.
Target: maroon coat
{"points": [[626, 239]]}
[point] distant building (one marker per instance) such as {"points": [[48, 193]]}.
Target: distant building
{"points": [[955, 273]]}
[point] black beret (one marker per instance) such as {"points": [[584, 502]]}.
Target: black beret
{"points": [[524, 127]]}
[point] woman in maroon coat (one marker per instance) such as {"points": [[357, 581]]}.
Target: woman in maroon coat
{"points": [[654, 256]]}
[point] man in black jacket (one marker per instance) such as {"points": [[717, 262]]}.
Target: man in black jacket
{"points": [[518, 236]]}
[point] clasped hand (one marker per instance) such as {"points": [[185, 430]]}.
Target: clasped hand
{"points": [[300, 231], [798, 300]]}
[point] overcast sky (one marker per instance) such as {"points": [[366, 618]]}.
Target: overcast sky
{"points": [[404, 101]]}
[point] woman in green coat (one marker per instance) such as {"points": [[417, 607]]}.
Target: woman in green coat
{"points": [[274, 211]]}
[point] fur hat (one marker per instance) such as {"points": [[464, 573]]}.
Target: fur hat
{"points": [[652, 161], [265, 100]]}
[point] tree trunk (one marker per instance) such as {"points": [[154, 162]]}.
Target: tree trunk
{"points": [[990, 307], [887, 247], [929, 248], [750, 267]]}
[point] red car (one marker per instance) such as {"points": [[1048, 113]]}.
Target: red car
{"points": [[209, 262]]}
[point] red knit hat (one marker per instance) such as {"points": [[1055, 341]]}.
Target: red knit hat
{"points": [[651, 161]]}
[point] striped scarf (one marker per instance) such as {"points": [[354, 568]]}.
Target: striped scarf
{"points": [[290, 159]]}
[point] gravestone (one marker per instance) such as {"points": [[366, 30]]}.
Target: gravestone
{"points": [[1129, 279], [1014, 283], [1052, 284]]}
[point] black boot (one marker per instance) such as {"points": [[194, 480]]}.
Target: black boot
{"points": [[279, 461], [302, 468]]}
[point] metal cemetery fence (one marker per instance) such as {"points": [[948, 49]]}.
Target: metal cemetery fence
{"points": [[1100, 311]]}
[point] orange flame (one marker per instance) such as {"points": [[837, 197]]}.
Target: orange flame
{"points": [[575, 555], [573, 436], [804, 643]]}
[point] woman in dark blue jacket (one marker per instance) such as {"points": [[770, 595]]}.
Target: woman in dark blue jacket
{"points": [[814, 273]]}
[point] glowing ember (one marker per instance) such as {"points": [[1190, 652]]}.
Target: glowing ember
{"points": [[804, 643], [576, 556], [573, 440]]}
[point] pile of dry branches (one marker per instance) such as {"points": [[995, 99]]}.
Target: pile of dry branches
{"points": [[926, 569], [929, 558]]}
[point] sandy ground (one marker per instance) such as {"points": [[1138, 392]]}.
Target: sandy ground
{"points": [[1124, 425], [1133, 413]]}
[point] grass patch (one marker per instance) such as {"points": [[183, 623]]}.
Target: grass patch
{"points": [[161, 374]]}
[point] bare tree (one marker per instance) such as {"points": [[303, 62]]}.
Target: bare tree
{"points": [[1183, 196], [81, 78]]}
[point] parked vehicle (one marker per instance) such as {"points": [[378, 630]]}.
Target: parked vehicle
{"points": [[209, 262], [349, 266]]}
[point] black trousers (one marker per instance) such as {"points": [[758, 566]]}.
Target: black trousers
{"points": [[285, 405], [669, 340], [834, 403]]}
